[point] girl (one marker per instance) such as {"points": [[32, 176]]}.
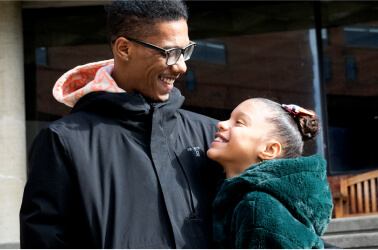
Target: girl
{"points": [[272, 197]]}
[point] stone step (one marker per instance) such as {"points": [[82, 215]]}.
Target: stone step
{"points": [[14, 245], [353, 232], [353, 225], [356, 240]]}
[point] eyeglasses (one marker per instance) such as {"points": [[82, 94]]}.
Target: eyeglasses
{"points": [[171, 55]]}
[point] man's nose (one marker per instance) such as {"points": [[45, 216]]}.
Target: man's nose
{"points": [[180, 65]]}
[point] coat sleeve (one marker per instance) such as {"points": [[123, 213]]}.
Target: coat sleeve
{"points": [[263, 222], [50, 211]]}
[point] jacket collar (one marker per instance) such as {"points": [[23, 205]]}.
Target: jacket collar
{"points": [[126, 103]]}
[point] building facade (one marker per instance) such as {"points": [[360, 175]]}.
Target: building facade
{"points": [[318, 54]]}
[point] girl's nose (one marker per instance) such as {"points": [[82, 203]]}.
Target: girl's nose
{"points": [[222, 125]]}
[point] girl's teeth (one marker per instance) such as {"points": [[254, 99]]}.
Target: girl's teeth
{"points": [[218, 139]]}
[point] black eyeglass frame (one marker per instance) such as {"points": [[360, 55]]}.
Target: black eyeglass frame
{"points": [[165, 51]]}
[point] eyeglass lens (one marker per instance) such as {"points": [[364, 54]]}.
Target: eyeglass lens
{"points": [[175, 54]]}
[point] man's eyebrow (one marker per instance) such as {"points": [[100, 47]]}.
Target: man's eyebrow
{"points": [[175, 46]]}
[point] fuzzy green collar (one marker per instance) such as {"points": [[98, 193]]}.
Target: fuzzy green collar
{"points": [[299, 184]]}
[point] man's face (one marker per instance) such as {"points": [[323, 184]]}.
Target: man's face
{"points": [[148, 73]]}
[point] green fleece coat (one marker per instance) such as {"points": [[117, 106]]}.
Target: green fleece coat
{"points": [[284, 203]]}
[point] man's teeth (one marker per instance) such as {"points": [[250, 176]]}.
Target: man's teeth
{"points": [[167, 80], [218, 139]]}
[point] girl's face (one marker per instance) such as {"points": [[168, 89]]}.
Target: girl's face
{"points": [[241, 138]]}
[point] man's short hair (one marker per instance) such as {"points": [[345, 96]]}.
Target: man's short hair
{"points": [[136, 19]]}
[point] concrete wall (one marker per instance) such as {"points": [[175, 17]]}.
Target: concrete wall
{"points": [[12, 122]]}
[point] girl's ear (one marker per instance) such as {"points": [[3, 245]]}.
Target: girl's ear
{"points": [[271, 151], [121, 48]]}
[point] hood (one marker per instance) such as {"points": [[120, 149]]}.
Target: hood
{"points": [[84, 79], [299, 184]]}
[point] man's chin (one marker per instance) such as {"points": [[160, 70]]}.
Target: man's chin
{"points": [[162, 98], [159, 98]]}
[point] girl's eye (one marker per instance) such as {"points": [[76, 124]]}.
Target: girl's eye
{"points": [[239, 122]]}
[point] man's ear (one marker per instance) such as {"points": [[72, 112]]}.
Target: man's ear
{"points": [[121, 48], [271, 151]]}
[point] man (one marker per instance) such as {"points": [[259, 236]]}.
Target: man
{"points": [[127, 168]]}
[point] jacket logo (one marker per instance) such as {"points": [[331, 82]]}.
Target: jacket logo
{"points": [[196, 150]]}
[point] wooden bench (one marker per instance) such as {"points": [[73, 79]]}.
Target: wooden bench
{"points": [[357, 196]]}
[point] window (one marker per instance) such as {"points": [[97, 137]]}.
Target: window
{"points": [[41, 56], [190, 80], [352, 93], [244, 49], [361, 37], [324, 33], [327, 74], [210, 52], [350, 68], [356, 36]]}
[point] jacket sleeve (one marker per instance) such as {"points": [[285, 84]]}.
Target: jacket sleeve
{"points": [[263, 222], [50, 210]]}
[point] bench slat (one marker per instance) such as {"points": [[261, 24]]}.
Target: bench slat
{"points": [[359, 197], [366, 196], [373, 188]]}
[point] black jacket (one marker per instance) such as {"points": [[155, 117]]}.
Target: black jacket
{"points": [[121, 172]]}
